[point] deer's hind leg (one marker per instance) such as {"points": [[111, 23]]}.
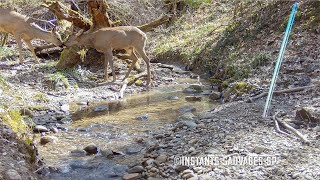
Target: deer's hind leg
{"points": [[142, 53], [134, 59]]}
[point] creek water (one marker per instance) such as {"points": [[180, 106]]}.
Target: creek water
{"points": [[117, 126]]}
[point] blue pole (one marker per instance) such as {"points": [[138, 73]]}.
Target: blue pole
{"points": [[280, 58]]}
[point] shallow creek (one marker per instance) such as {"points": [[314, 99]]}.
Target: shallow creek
{"points": [[116, 126]]}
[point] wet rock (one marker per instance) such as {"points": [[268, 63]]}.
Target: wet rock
{"points": [[65, 108], [48, 139], [173, 98], [40, 129], [179, 71], [191, 150], [180, 168], [91, 149], [107, 153], [317, 128], [153, 169], [65, 120], [132, 176], [215, 96], [308, 115], [189, 124], [186, 117], [26, 112], [78, 153], [150, 162], [12, 174], [133, 150], [136, 169], [54, 130], [162, 158], [193, 141], [144, 117], [193, 89], [193, 98], [186, 174], [100, 108], [186, 109]]}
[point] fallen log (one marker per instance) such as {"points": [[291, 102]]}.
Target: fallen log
{"points": [[252, 99]]}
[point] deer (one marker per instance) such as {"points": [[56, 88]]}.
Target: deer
{"points": [[105, 40], [24, 28]]}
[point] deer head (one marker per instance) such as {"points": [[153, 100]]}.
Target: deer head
{"points": [[74, 38], [55, 38]]}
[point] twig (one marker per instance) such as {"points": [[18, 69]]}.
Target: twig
{"points": [[294, 131], [277, 126], [252, 99]]}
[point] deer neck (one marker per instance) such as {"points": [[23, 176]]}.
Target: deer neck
{"points": [[86, 40], [38, 32]]}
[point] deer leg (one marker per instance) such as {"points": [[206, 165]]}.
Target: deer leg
{"points": [[32, 50], [112, 68], [142, 53], [134, 59], [106, 61], [18, 40]]}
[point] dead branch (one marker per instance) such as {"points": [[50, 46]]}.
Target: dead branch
{"points": [[151, 25], [252, 99], [291, 129], [63, 12], [277, 126]]}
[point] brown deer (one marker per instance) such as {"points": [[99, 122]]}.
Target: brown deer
{"points": [[23, 27], [105, 40]]}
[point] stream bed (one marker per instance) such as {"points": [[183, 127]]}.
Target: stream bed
{"points": [[116, 127]]}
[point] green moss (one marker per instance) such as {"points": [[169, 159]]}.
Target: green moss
{"points": [[57, 77], [41, 97], [139, 82], [14, 119]]}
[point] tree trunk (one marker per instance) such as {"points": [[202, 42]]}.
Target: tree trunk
{"points": [[98, 11]]}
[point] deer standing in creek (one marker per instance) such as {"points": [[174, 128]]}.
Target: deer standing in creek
{"points": [[23, 27], [105, 40]]}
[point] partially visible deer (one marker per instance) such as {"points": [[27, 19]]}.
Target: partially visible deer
{"points": [[23, 27], [104, 40]]}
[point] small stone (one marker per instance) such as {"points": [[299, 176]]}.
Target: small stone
{"points": [[26, 112], [12, 174], [162, 158], [186, 109], [193, 141], [193, 98], [136, 169], [54, 130], [186, 117], [91, 149], [215, 96], [188, 176], [40, 129], [192, 89], [65, 108], [78, 153], [181, 168], [48, 139], [189, 124], [153, 169], [144, 117], [100, 108], [192, 149], [107, 153], [173, 98], [149, 162], [259, 149], [132, 176], [133, 150]]}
